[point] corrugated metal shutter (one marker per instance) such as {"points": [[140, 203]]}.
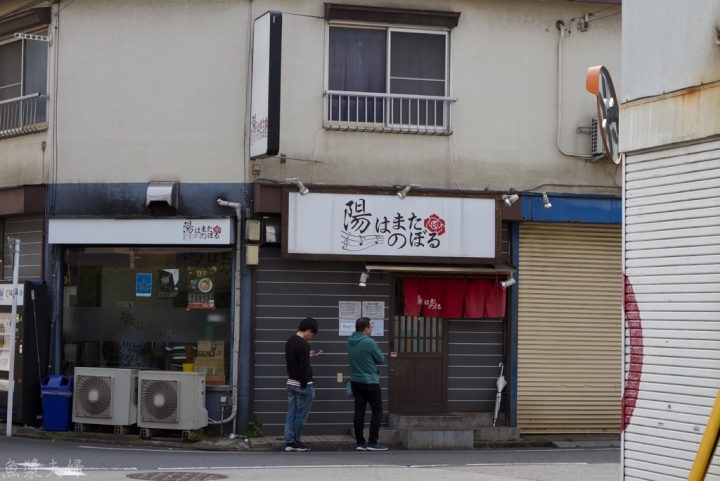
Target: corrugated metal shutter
{"points": [[672, 252], [285, 293], [30, 231], [569, 328]]}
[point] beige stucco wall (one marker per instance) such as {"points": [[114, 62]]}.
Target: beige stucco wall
{"points": [[504, 73], [152, 90], [23, 161], [157, 91]]}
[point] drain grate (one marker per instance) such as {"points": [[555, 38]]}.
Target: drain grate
{"points": [[176, 476]]}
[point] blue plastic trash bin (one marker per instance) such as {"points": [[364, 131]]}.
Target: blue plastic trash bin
{"points": [[56, 393]]}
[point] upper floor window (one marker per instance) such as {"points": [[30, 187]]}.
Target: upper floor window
{"points": [[23, 84], [409, 69]]}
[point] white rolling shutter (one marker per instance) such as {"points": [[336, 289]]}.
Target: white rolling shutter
{"points": [[672, 263], [569, 328]]}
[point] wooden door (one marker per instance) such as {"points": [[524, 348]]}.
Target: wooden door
{"points": [[418, 365]]}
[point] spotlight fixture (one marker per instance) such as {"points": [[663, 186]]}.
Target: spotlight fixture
{"points": [[363, 279], [403, 193], [546, 201], [301, 188], [510, 199], [508, 282]]}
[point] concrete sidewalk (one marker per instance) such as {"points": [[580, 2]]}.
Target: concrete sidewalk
{"points": [[342, 442]]}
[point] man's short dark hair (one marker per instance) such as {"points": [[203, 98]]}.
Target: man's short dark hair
{"points": [[308, 323], [361, 324]]}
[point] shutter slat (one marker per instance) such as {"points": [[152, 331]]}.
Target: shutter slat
{"points": [[569, 328]]}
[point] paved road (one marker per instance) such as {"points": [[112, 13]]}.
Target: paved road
{"points": [[113, 463]]}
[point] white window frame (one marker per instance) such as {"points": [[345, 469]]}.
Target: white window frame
{"points": [[388, 29], [388, 51], [34, 31]]}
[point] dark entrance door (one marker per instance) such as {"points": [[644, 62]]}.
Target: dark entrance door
{"points": [[418, 365]]}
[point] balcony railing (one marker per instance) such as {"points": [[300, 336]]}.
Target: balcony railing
{"points": [[23, 115], [378, 112]]}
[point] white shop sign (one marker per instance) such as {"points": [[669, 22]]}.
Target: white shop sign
{"points": [[384, 225], [6, 294], [141, 231]]}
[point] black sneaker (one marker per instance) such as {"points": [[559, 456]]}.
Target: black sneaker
{"points": [[376, 447], [360, 447], [295, 447]]}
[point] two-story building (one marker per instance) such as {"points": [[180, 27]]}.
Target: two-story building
{"points": [[441, 155]]}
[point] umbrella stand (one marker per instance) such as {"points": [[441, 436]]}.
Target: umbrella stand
{"points": [[501, 383]]}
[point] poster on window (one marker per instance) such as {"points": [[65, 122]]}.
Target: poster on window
{"points": [[5, 329], [379, 226], [201, 287], [168, 283]]}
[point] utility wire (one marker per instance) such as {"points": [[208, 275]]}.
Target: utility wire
{"points": [[606, 16]]}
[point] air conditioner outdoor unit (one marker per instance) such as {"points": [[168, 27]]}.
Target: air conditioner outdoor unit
{"points": [[171, 400], [596, 143], [105, 396]]}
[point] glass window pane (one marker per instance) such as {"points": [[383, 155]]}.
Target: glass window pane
{"points": [[36, 58], [357, 60], [417, 56], [356, 64], [10, 65], [146, 308]]}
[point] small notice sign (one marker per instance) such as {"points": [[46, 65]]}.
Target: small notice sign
{"points": [[143, 284], [346, 327], [349, 310], [373, 309]]}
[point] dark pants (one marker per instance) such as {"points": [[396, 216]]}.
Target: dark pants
{"points": [[364, 394]]}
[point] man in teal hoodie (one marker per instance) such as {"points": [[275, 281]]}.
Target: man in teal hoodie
{"points": [[365, 355]]}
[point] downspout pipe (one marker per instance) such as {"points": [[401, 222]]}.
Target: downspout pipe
{"points": [[236, 315], [561, 26]]}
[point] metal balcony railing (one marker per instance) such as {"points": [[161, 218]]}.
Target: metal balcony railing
{"points": [[378, 112], [23, 115]]}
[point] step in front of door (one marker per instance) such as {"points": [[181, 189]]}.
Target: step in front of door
{"points": [[436, 438]]}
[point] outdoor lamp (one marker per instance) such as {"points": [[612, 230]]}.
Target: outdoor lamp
{"points": [[301, 188], [508, 282], [403, 193], [363, 279], [510, 199], [546, 201]]}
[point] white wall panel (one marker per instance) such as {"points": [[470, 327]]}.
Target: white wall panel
{"points": [[672, 335]]}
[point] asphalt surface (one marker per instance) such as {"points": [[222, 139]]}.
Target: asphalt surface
{"points": [[34, 458]]}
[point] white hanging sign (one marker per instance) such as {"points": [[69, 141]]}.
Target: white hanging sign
{"points": [[6, 295], [384, 225]]}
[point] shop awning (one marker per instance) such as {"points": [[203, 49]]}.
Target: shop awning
{"points": [[484, 270]]}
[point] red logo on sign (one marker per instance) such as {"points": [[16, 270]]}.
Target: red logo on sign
{"points": [[435, 224]]}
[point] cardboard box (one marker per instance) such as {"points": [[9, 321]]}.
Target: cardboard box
{"points": [[210, 365], [211, 349], [215, 379]]}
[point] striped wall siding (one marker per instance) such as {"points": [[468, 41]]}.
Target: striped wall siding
{"points": [[30, 231], [285, 293], [672, 304], [475, 348]]}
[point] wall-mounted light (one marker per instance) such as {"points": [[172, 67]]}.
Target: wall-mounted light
{"points": [[508, 282], [546, 201], [363, 279], [404, 192], [301, 188], [510, 199]]}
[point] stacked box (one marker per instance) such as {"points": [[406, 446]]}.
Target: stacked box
{"points": [[210, 359]]}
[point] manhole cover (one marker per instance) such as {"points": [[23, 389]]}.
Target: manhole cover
{"points": [[177, 476]]}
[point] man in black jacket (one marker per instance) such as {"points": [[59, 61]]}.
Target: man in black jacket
{"points": [[300, 390]]}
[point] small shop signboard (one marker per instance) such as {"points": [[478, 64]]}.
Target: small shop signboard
{"points": [[383, 226]]}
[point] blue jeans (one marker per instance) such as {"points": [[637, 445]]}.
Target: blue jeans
{"points": [[299, 403]]}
